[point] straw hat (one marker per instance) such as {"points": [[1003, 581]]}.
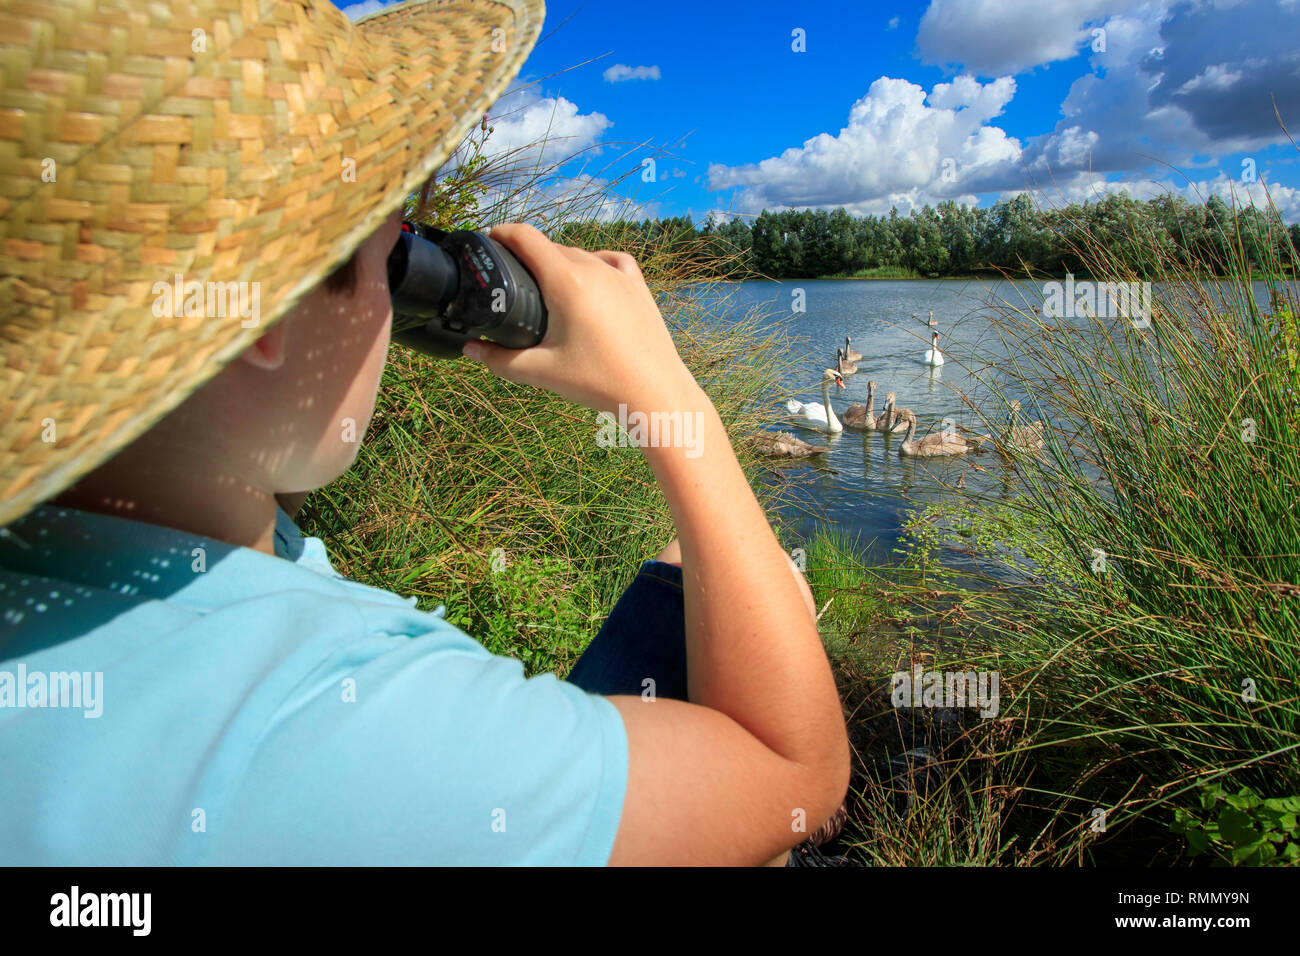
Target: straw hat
{"points": [[256, 142]]}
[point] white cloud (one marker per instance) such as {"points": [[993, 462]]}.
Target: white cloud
{"points": [[893, 23], [532, 136], [1083, 188], [537, 131], [1174, 86], [895, 150], [1285, 198], [560, 200], [620, 72], [996, 37], [1217, 77]]}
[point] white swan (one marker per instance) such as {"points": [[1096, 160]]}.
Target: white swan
{"points": [[819, 415], [933, 357], [849, 354]]}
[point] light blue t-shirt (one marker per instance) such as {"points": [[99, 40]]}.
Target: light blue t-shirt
{"points": [[223, 706]]}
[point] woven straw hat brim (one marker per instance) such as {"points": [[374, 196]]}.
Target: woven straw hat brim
{"points": [[212, 140]]}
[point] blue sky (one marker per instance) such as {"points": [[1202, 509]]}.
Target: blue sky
{"points": [[907, 104]]}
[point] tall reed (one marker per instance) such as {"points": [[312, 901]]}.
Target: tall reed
{"points": [[1156, 636]]}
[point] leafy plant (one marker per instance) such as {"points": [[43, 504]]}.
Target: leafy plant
{"points": [[531, 610], [1242, 828]]}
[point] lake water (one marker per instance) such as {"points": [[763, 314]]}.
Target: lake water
{"points": [[863, 487]]}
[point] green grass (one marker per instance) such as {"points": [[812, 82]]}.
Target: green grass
{"points": [[883, 272]]}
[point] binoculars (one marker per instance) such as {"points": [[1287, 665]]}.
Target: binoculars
{"points": [[449, 288]]}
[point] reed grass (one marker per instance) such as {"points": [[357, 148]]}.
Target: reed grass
{"points": [[1152, 622]]}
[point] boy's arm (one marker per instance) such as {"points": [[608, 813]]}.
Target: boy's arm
{"points": [[762, 745]]}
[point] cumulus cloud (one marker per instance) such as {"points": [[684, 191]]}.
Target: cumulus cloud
{"points": [[620, 72], [996, 37], [1224, 65], [1174, 85], [1179, 85], [1260, 193], [529, 129], [558, 200], [532, 137], [896, 149]]}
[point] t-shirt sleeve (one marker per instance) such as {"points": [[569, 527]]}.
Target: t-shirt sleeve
{"points": [[426, 751]]}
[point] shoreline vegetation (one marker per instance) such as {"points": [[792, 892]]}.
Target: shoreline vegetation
{"points": [[1149, 711], [1011, 239]]}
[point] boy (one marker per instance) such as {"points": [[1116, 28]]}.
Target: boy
{"points": [[189, 682]]}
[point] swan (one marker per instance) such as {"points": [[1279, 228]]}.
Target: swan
{"points": [[931, 446], [819, 415], [1022, 437], [931, 321], [1014, 437], [849, 354], [845, 366], [784, 445], [861, 417], [892, 419], [933, 357]]}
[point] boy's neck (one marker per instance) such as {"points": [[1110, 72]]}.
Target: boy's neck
{"points": [[194, 498]]}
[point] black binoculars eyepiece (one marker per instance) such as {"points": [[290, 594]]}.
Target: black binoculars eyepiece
{"points": [[449, 288]]}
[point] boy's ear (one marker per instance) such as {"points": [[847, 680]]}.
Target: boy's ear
{"points": [[268, 352]]}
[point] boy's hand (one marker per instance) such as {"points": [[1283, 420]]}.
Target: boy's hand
{"points": [[606, 343]]}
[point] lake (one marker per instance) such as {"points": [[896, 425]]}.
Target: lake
{"points": [[863, 487]]}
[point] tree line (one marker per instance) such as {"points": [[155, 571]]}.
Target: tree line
{"points": [[1013, 236]]}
